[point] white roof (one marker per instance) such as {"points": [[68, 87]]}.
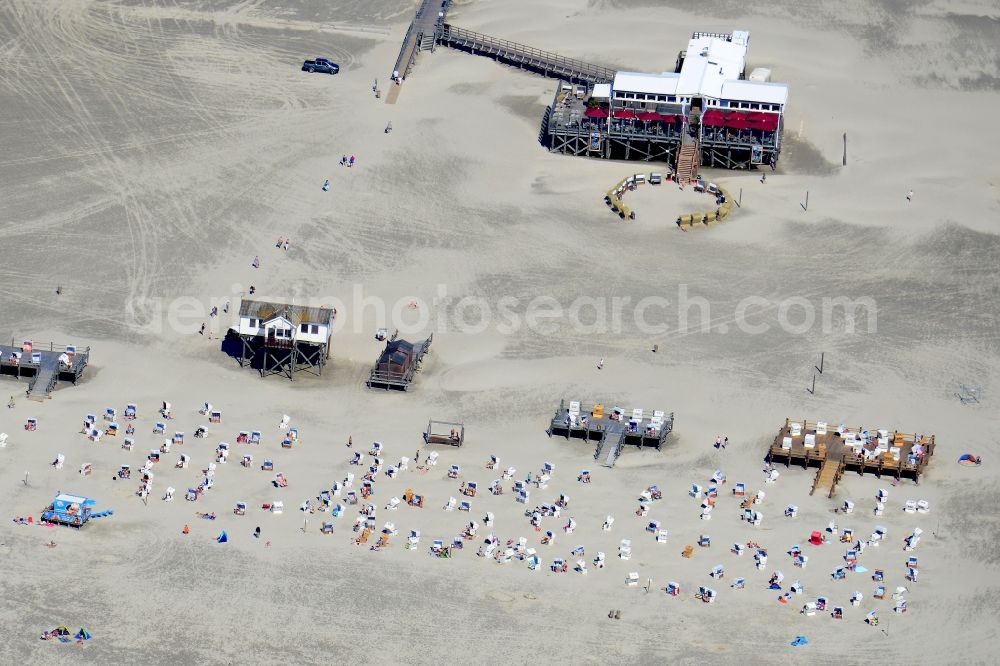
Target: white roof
{"points": [[755, 91], [709, 62], [602, 91], [656, 84]]}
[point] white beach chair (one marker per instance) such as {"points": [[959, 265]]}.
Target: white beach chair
{"points": [[821, 427], [910, 506], [452, 503], [695, 490], [661, 536], [810, 441], [923, 506], [633, 579], [791, 511], [795, 429], [285, 420], [608, 522]]}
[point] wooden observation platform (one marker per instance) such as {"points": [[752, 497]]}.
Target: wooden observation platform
{"points": [[43, 367], [398, 363], [611, 430], [839, 449]]}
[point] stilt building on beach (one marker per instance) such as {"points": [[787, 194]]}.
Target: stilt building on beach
{"points": [[398, 363], [706, 112], [282, 338], [612, 430]]}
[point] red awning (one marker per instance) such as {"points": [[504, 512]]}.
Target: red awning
{"points": [[596, 112], [625, 114], [668, 119], [648, 115]]}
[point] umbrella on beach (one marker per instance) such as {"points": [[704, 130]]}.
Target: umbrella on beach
{"points": [[82, 635]]}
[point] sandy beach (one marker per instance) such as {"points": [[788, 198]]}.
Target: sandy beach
{"points": [[153, 149]]}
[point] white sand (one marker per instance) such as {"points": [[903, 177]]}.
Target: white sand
{"points": [[151, 152]]}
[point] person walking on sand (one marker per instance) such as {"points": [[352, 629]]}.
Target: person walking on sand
{"points": [[350, 441], [725, 441], [10, 403], [285, 245], [256, 533], [256, 261], [600, 364], [718, 442], [202, 331], [909, 195]]}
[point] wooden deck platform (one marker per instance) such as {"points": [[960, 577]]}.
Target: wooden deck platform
{"points": [[42, 367], [836, 449], [611, 429]]}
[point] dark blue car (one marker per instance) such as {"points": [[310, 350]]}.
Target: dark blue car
{"points": [[321, 65]]}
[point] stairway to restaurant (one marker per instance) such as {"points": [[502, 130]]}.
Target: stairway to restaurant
{"points": [[687, 162]]}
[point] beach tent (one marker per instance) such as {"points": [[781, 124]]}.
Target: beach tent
{"points": [[800, 641], [82, 635], [223, 538], [969, 459]]}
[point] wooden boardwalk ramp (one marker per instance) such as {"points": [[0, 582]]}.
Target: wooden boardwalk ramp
{"points": [[827, 477]]}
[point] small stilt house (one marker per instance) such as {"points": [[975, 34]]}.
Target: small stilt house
{"points": [[283, 338], [398, 363]]}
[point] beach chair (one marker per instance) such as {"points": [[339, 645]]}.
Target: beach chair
{"points": [[3, 440], [168, 496], [432, 458], [759, 497], [533, 560], [718, 572], [178, 437], [673, 589], [31, 424], [454, 471], [653, 526], [215, 416], [910, 506], [800, 561], [625, 549], [277, 507], [413, 539], [110, 414], [772, 476], [191, 495], [847, 507], [130, 411], [508, 474], [523, 496], [240, 509], [287, 443], [795, 429], [393, 504], [786, 443], [856, 598], [695, 490], [809, 609], [809, 442], [452, 503], [183, 461], [791, 511], [706, 594], [923, 506], [255, 437], [159, 428], [739, 489], [326, 528], [90, 419], [488, 519], [268, 465], [94, 436], [632, 580], [465, 506], [285, 420], [608, 522]]}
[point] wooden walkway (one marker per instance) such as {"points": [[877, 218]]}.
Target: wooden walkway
{"points": [[526, 57], [419, 35]]}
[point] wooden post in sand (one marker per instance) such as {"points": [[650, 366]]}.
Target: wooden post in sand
{"points": [[819, 367], [305, 524], [26, 478], [812, 391], [739, 201], [805, 206], [845, 148]]}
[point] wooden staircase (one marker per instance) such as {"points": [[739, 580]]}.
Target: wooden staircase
{"points": [[687, 162], [827, 477]]}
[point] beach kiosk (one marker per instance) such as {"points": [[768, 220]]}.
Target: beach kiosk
{"points": [[72, 510]]}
